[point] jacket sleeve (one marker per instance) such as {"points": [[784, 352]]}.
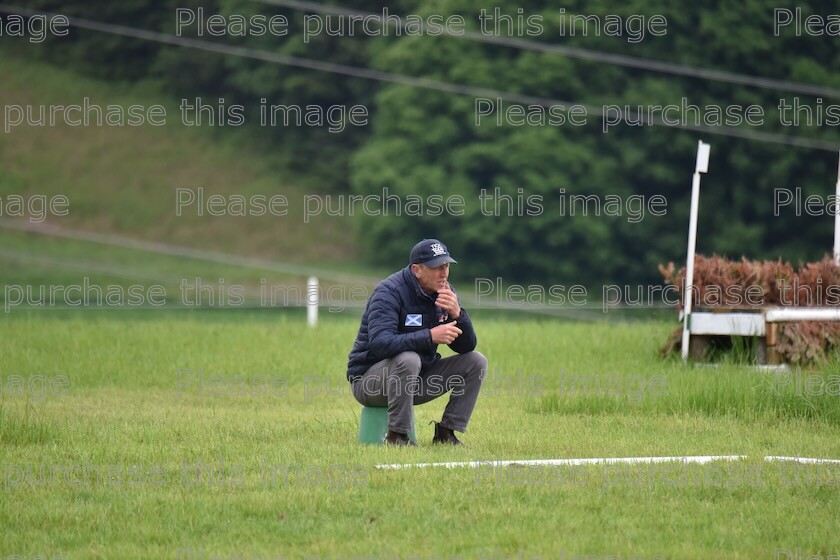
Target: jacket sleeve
{"points": [[467, 340], [384, 338]]}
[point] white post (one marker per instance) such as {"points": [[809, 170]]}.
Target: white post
{"points": [[312, 293], [701, 166], [837, 217]]}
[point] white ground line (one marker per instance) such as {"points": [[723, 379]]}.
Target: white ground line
{"points": [[801, 459], [568, 462]]}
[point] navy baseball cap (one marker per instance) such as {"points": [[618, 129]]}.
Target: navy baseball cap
{"points": [[431, 253]]}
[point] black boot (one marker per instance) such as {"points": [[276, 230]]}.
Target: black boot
{"points": [[444, 435], [396, 438]]}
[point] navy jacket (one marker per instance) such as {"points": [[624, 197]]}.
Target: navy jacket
{"points": [[398, 317]]}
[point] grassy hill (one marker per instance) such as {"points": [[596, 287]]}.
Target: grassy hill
{"points": [[121, 183], [122, 180]]}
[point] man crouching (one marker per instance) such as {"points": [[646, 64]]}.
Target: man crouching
{"points": [[394, 360]]}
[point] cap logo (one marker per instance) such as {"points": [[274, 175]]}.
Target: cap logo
{"points": [[438, 249]]}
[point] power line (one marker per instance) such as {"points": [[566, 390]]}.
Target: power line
{"points": [[183, 252], [371, 74], [583, 54]]}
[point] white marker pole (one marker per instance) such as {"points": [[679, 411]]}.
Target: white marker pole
{"points": [[837, 217], [701, 166], [312, 293]]}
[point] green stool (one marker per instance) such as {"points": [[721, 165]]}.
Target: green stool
{"points": [[373, 426]]}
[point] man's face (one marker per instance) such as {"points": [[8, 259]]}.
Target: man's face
{"points": [[431, 280]]}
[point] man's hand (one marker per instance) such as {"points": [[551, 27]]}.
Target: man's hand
{"points": [[445, 333], [448, 301]]}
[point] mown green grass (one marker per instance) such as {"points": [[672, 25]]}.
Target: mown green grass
{"points": [[246, 471]]}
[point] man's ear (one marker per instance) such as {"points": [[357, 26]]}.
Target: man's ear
{"points": [[415, 269]]}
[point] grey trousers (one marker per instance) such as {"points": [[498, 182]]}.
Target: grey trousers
{"points": [[399, 383]]}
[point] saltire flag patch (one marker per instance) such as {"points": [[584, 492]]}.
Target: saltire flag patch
{"points": [[414, 320]]}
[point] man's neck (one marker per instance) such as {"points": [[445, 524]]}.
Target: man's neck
{"points": [[418, 287]]}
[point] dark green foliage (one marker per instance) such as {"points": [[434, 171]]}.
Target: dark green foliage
{"points": [[424, 137]]}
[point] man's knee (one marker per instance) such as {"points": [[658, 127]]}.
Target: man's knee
{"points": [[472, 376], [477, 363], [407, 361]]}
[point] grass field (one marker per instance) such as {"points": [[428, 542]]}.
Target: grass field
{"points": [[231, 434]]}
